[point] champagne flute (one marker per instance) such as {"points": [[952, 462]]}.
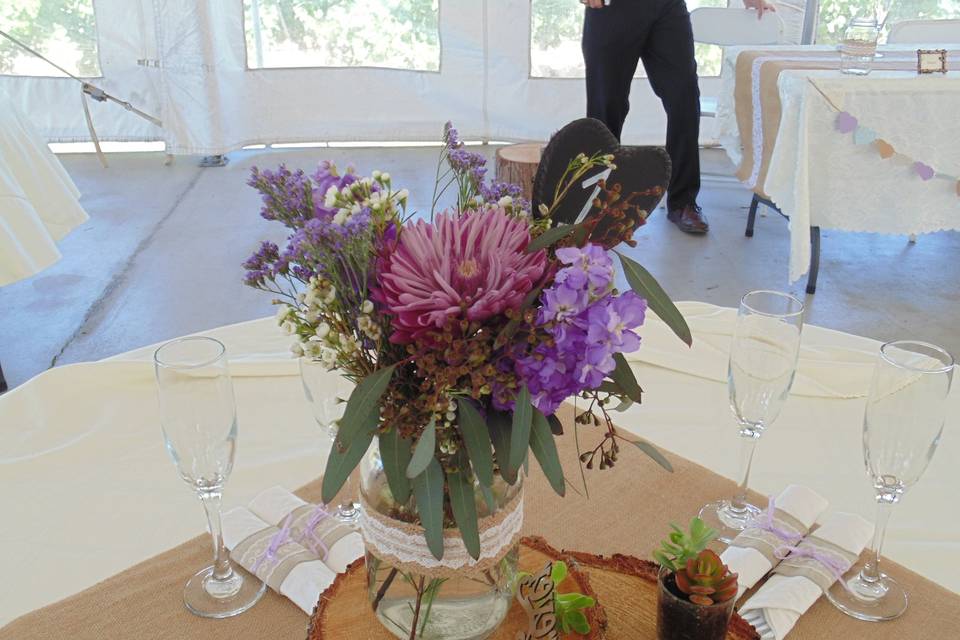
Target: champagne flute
{"points": [[902, 424], [198, 419], [763, 363], [327, 392]]}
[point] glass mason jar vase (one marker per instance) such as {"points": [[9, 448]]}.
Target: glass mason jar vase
{"points": [[442, 601], [680, 619], [859, 46]]}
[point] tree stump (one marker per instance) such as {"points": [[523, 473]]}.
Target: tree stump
{"points": [[517, 164]]}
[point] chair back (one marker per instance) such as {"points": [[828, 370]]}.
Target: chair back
{"points": [[733, 27], [925, 32]]}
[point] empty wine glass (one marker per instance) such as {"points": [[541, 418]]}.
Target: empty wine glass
{"points": [[198, 419], [763, 362], [906, 408], [328, 392]]}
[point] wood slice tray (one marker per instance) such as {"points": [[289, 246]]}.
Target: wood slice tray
{"points": [[625, 589]]}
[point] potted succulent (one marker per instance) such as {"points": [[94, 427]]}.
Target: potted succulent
{"points": [[697, 590]]}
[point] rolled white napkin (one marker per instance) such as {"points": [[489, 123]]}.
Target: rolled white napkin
{"points": [[291, 570], [333, 542], [802, 507], [799, 581]]}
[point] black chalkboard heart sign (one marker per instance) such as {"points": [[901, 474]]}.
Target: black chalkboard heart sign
{"points": [[641, 174]]}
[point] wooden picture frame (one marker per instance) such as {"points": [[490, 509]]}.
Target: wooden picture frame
{"points": [[931, 61]]}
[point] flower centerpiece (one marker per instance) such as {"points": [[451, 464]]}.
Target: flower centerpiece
{"points": [[697, 590], [464, 331]]}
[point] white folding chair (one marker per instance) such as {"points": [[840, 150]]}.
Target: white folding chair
{"points": [[732, 27], [925, 32]]}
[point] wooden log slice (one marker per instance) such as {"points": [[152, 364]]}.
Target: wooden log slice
{"points": [[517, 164], [624, 587]]}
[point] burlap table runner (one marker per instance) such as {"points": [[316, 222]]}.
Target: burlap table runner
{"points": [[755, 87], [628, 511]]}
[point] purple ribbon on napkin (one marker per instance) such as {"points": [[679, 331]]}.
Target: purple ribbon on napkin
{"points": [[829, 562], [765, 521], [309, 538], [279, 539]]}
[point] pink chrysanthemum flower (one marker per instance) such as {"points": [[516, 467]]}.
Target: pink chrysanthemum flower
{"points": [[472, 265]]}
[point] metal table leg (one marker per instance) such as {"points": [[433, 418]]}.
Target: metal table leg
{"points": [[752, 216], [814, 260]]}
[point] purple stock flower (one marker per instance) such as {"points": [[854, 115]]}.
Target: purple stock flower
{"points": [[586, 324]]}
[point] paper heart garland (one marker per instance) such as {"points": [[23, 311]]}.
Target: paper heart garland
{"points": [[845, 122], [925, 171], [638, 169], [885, 149], [864, 135]]}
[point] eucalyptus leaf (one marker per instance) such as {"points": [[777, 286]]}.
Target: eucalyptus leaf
{"points": [[623, 377], [545, 450], [498, 425], [362, 408], [551, 236], [477, 438], [647, 286], [423, 452], [428, 489], [487, 493], [556, 427], [395, 453], [653, 452], [520, 428], [341, 463], [464, 509]]}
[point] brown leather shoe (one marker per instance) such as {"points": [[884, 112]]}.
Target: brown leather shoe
{"points": [[690, 219]]}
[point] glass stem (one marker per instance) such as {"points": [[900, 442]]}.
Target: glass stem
{"points": [[749, 437], [221, 561], [871, 568]]}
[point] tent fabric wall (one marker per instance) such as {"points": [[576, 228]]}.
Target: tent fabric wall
{"points": [[185, 62]]}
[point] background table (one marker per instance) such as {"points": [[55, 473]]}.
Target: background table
{"points": [[38, 201], [87, 489], [820, 177]]}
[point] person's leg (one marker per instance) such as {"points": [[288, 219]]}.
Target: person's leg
{"points": [[668, 57], [612, 40]]}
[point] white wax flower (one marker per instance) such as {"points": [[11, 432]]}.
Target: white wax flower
{"points": [[322, 330], [402, 195], [385, 176], [505, 201], [376, 174], [341, 217], [283, 312], [328, 356], [366, 307], [288, 328], [331, 295], [330, 197], [296, 349]]}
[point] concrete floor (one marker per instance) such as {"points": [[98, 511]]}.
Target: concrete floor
{"points": [[161, 255]]}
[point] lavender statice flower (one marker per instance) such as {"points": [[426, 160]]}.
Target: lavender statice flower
{"points": [[586, 325], [260, 266], [451, 137], [468, 164]]}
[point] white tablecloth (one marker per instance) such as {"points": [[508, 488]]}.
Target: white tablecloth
{"points": [[87, 489], [820, 177], [38, 200]]}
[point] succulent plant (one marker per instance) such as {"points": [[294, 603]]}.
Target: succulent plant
{"points": [[682, 547], [706, 580]]}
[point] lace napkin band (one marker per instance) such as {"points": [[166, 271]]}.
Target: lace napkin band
{"points": [[271, 554], [403, 545], [770, 531], [815, 559]]}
